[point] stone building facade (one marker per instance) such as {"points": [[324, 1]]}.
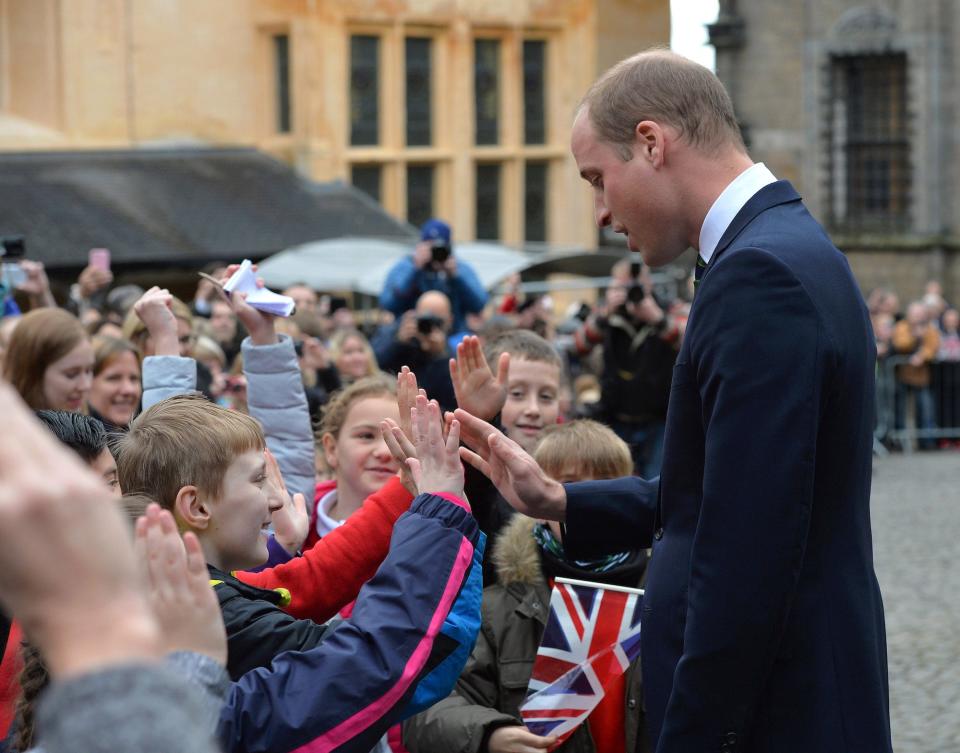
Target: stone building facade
{"points": [[856, 103], [454, 108]]}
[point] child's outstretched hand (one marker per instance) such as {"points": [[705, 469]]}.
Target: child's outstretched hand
{"points": [[179, 587], [436, 469], [478, 392], [155, 311], [259, 324], [398, 436], [291, 522]]}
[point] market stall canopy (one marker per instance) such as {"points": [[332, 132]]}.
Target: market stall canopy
{"points": [[360, 265]]}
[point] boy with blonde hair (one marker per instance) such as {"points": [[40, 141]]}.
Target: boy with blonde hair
{"points": [[482, 715], [207, 465], [523, 399]]}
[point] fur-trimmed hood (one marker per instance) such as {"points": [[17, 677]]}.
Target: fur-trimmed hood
{"points": [[516, 556]]}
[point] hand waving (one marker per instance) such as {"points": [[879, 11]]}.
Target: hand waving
{"points": [[437, 467], [477, 390], [179, 587], [155, 311], [259, 324], [291, 522]]}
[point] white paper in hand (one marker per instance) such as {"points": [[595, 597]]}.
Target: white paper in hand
{"points": [[245, 281]]}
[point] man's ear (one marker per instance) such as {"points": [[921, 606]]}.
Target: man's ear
{"points": [[190, 510], [330, 450], [649, 142]]}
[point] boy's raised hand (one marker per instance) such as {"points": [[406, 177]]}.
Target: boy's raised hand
{"points": [[516, 475], [476, 389], [291, 522], [155, 311], [436, 469], [83, 608], [258, 323], [179, 587]]}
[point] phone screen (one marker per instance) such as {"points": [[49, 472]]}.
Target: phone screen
{"points": [[13, 274], [100, 258]]}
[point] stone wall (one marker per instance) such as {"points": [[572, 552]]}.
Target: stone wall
{"points": [[773, 57]]}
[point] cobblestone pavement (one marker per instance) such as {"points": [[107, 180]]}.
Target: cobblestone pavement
{"points": [[916, 529]]}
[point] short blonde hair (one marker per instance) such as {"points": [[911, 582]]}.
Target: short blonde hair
{"points": [[183, 441], [667, 88], [588, 446]]}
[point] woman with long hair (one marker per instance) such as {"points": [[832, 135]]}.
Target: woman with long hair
{"points": [[49, 361], [117, 388]]}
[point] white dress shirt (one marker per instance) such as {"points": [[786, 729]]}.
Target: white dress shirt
{"points": [[728, 205]]}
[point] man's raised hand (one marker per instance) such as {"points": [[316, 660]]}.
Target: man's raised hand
{"points": [[515, 474]]}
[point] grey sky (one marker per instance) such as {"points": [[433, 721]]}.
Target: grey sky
{"points": [[688, 34]]}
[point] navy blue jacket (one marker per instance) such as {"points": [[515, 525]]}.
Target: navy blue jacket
{"points": [[401, 650], [763, 623]]}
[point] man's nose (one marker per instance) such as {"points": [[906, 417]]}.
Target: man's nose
{"points": [[601, 213]]}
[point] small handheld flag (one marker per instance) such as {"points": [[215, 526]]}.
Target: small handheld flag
{"points": [[592, 636]]}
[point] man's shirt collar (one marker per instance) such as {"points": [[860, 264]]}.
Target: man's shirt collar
{"points": [[728, 205]]}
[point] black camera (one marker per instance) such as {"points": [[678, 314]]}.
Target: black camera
{"points": [[13, 248], [635, 292], [439, 254], [427, 323]]}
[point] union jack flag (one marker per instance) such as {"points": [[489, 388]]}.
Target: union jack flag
{"points": [[592, 635]]}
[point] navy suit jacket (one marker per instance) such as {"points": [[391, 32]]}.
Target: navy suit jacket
{"points": [[763, 623]]}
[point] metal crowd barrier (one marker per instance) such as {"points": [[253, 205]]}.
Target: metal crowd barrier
{"points": [[906, 416]]}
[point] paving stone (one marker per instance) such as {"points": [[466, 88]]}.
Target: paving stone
{"points": [[916, 530]]}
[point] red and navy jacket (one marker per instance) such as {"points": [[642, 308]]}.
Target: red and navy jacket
{"points": [[402, 649]]}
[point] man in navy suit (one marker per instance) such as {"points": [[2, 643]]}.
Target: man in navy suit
{"points": [[763, 622]]}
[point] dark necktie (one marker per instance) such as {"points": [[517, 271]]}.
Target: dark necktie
{"points": [[698, 273]]}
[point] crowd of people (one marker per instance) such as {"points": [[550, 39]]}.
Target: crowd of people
{"points": [[223, 530], [918, 356], [156, 396], [277, 447]]}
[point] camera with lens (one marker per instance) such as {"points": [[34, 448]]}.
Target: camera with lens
{"points": [[635, 292], [439, 253], [12, 248], [427, 323]]}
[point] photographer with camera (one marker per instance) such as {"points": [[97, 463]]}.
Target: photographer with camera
{"points": [[17, 273], [640, 343], [418, 339], [434, 266]]}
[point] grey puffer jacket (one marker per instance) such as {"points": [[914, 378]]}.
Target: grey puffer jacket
{"points": [[275, 397], [494, 682]]}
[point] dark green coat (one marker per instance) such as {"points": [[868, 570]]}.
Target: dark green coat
{"points": [[494, 682]]}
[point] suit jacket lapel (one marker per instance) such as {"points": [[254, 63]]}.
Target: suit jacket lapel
{"points": [[781, 192]]}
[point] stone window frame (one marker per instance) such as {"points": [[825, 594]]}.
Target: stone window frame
{"points": [[863, 32], [392, 155]]}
